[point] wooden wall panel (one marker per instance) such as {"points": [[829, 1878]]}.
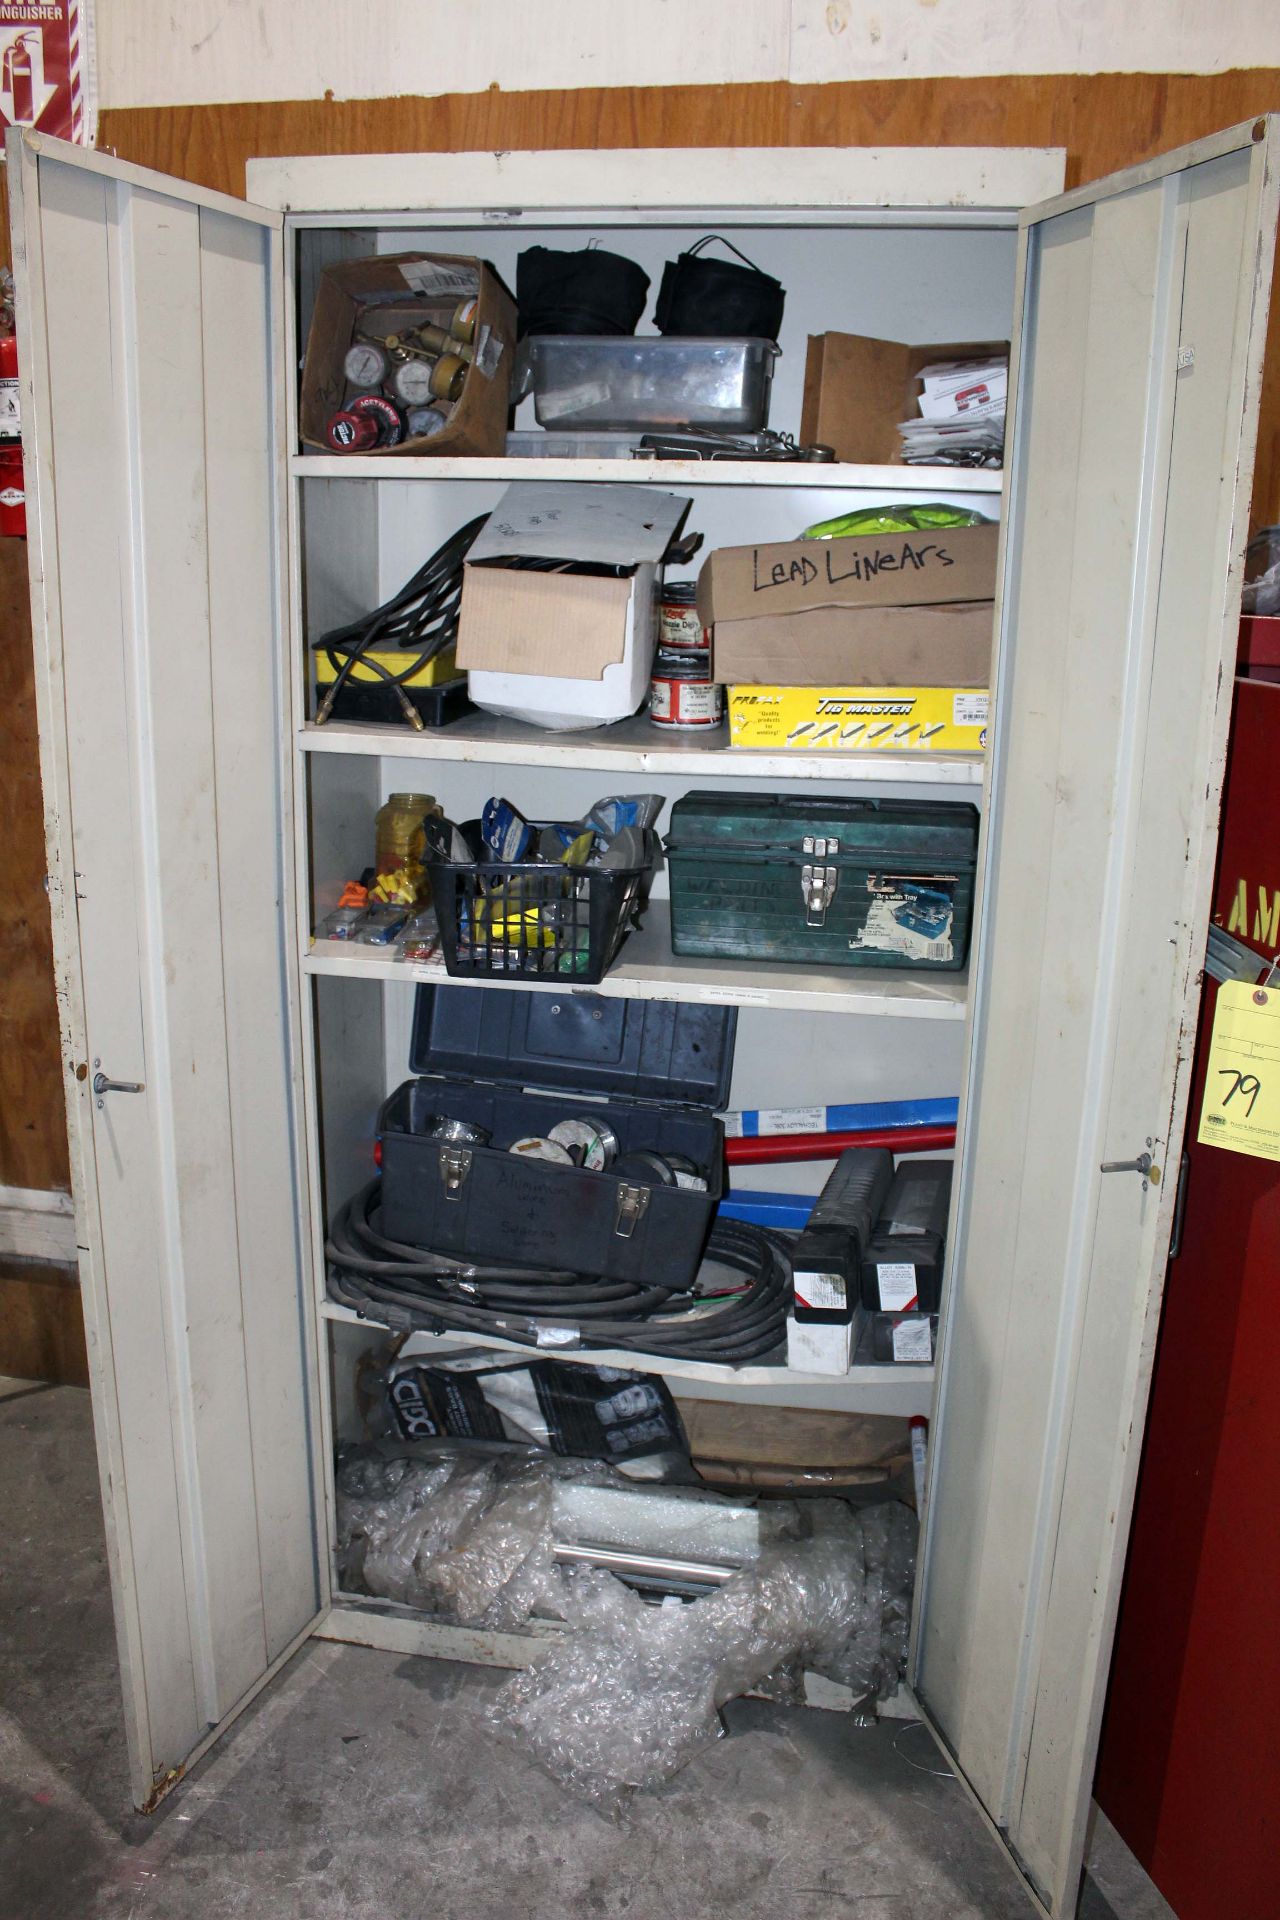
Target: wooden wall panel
{"points": [[1104, 121], [41, 1324], [33, 1140]]}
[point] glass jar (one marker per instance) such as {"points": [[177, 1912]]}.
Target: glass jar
{"points": [[401, 876]]}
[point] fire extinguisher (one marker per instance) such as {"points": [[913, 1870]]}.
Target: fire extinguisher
{"points": [[13, 501], [15, 80]]}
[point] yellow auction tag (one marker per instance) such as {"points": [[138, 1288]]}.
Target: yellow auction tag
{"points": [[1241, 1108]]}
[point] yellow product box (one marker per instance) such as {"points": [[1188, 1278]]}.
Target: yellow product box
{"points": [[434, 674], [859, 719]]}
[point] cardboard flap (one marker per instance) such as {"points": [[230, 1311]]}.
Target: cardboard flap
{"points": [[623, 525], [542, 623]]}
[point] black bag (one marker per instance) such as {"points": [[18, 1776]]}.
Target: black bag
{"points": [[717, 299], [589, 291]]}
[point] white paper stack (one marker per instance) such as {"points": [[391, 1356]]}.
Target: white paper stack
{"points": [[961, 415]]}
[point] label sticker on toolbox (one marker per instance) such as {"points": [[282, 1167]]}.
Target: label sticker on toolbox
{"points": [[897, 1282], [915, 922], [821, 1290], [913, 1339]]}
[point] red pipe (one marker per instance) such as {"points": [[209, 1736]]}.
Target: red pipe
{"points": [[774, 1148]]}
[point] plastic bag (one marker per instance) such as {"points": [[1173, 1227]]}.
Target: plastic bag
{"points": [[916, 519]]}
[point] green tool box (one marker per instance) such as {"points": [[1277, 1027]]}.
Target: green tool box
{"points": [[831, 881]]}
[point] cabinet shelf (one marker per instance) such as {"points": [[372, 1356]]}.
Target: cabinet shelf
{"points": [[635, 746], [901, 1389], [657, 473], [648, 970]]}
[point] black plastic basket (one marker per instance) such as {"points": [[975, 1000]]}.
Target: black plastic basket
{"points": [[530, 920]]}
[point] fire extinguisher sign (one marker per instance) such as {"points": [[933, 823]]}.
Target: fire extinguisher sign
{"points": [[46, 67]]}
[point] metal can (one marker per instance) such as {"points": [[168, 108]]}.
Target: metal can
{"points": [[678, 622], [682, 692]]}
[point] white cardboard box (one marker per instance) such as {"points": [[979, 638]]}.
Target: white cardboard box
{"points": [[519, 630], [819, 1346]]}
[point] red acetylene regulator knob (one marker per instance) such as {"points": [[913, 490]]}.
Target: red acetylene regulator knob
{"points": [[347, 432], [386, 416], [369, 421]]}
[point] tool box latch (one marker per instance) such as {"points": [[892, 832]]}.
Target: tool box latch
{"points": [[818, 884], [633, 1204], [455, 1165]]}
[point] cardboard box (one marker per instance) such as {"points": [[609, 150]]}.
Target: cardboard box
{"points": [[478, 423], [565, 649], [819, 1346], [859, 719], [858, 388], [875, 610], [877, 646]]}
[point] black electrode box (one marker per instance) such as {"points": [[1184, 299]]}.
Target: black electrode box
{"points": [[827, 1258], [902, 1261]]}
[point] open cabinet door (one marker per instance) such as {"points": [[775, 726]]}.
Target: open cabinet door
{"points": [[1141, 309], [154, 484]]}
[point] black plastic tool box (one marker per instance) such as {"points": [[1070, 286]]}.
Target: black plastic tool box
{"points": [[823, 881], [517, 1062]]}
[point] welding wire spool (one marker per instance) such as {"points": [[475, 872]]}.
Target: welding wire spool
{"points": [[534, 1147], [598, 1143], [651, 1169], [381, 1278], [456, 1133], [448, 377]]}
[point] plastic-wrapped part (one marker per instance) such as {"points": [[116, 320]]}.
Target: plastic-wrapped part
{"points": [[469, 1531], [883, 1539], [631, 1692], [458, 1533]]}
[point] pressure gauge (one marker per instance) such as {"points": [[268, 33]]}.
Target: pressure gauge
{"points": [[411, 382], [365, 364]]}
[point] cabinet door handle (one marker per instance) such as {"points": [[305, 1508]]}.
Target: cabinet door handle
{"points": [[101, 1085]]}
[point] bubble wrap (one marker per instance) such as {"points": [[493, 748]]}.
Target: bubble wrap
{"points": [[462, 1534], [631, 1692]]}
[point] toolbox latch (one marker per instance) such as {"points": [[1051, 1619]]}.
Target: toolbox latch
{"points": [[633, 1204], [818, 884], [455, 1165]]}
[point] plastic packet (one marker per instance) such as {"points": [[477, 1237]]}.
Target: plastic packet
{"points": [[895, 519], [613, 813], [343, 923]]}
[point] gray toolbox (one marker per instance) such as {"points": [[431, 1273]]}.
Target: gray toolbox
{"points": [[515, 1063], [826, 881]]}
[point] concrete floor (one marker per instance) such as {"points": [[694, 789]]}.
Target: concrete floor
{"points": [[361, 1784]]}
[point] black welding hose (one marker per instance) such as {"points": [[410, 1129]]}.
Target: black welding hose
{"points": [[371, 1273]]}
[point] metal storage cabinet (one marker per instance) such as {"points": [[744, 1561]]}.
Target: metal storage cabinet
{"points": [[196, 822]]}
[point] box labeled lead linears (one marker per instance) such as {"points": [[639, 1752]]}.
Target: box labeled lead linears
{"points": [[859, 719]]}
